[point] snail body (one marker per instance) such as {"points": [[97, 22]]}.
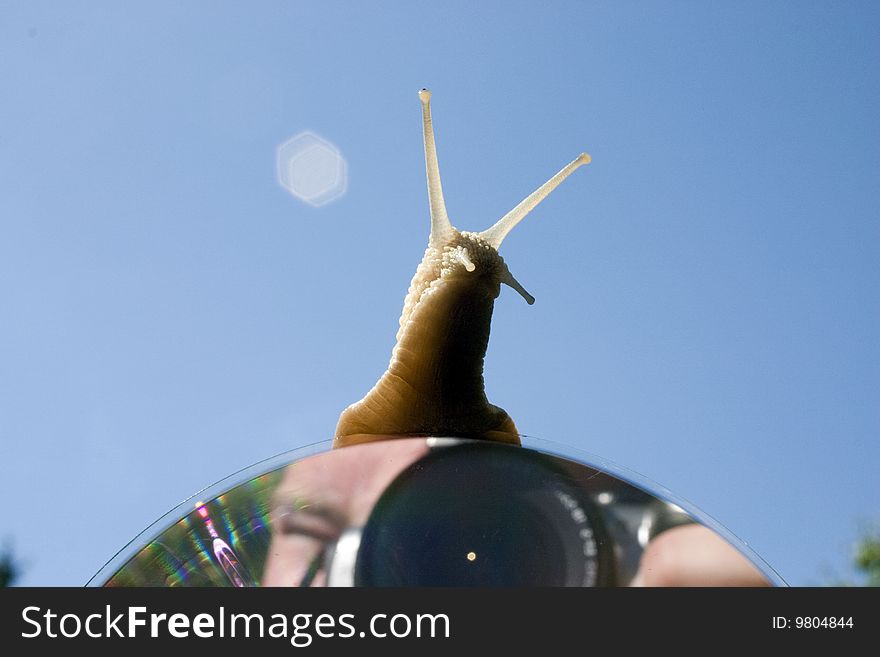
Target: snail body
{"points": [[434, 382]]}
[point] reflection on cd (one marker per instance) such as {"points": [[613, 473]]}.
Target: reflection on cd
{"points": [[221, 542], [421, 512]]}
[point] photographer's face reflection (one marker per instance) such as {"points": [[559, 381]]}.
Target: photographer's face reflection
{"points": [[322, 496]]}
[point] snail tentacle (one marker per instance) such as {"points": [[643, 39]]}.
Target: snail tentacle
{"points": [[434, 382]]}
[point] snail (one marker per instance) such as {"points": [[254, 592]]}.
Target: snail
{"points": [[434, 382]]}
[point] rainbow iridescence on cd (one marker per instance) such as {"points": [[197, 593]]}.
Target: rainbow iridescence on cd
{"points": [[222, 542]]}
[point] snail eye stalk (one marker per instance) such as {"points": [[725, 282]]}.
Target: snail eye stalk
{"points": [[496, 234]]}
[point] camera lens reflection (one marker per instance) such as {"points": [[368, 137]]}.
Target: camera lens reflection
{"points": [[482, 515], [429, 512]]}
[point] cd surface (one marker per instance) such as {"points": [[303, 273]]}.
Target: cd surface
{"points": [[431, 512]]}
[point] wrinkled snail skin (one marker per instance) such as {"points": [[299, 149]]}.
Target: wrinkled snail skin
{"points": [[434, 382]]}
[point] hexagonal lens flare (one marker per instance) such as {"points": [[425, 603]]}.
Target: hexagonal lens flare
{"points": [[312, 169]]}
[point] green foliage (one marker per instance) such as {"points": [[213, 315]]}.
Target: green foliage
{"points": [[867, 556], [8, 568]]}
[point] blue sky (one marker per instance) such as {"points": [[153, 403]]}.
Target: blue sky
{"points": [[707, 289]]}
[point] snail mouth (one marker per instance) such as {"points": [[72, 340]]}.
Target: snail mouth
{"points": [[479, 283]]}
